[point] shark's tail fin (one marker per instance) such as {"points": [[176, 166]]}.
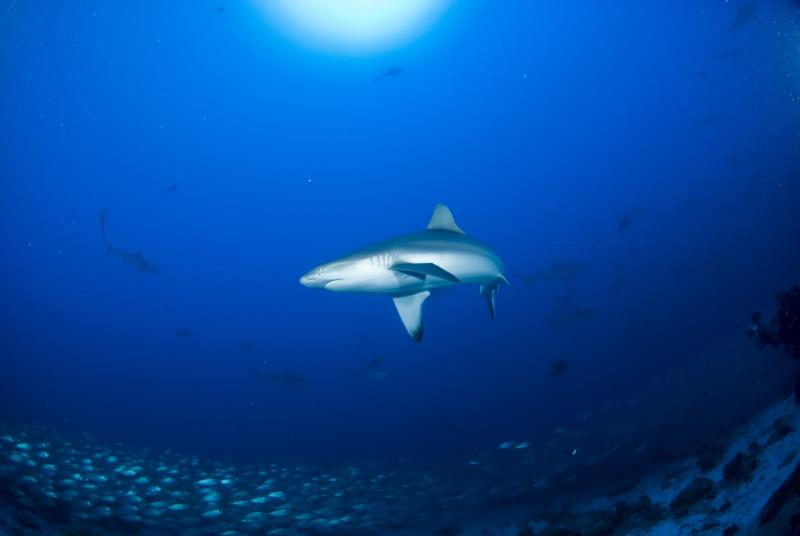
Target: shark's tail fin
{"points": [[106, 243]]}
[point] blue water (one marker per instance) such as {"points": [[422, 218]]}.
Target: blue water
{"points": [[616, 134]]}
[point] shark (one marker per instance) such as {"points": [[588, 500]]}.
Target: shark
{"points": [[744, 13], [573, 315], [733, 55], [557, 271], [285, 378], [409, 267], [135, 259], [392, 72]]}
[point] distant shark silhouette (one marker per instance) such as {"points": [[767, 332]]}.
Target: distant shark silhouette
{"points": [[573, 315], [558, 367], [627, 219], [733, 55], [392, 72], [285, 378], [744, 13], [373, 370], [134, 259], [565, 271], [408, 267]]}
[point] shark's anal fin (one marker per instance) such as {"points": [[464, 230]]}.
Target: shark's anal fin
{"points": [[489, 291], [409, 307], [422, 269], [442, 220]]}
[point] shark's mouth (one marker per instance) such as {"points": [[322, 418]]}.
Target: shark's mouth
{"points": [[328, 283]]}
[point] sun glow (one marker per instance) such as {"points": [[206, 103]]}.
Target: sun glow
{"points": [[354, 26]]}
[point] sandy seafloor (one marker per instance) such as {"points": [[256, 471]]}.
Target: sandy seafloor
{"points": [[749, 490]]}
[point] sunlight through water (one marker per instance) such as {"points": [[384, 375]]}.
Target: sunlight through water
{"points": [[357, 27]]}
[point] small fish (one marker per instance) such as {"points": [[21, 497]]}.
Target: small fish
{"points": [[449, 530], [558, 367], [377, 374], [713, 119], [247, 346], [219, 9], [507, 445], [374, 363], [171, 189], [183, 333], [732, 55]]}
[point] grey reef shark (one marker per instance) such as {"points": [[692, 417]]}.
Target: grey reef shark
{"points": [[408, 267]]}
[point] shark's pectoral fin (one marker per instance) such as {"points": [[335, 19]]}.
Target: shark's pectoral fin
{"points": [[409, 307], [410, 273], [421, 270], [489, 291]]}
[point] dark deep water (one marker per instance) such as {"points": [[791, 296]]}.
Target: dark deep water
{"points": [[653, 148]]}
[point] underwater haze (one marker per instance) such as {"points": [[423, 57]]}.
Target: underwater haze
{"points": [[170, 170]]}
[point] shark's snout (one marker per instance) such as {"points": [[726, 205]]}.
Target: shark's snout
{"points": [[313, 279], [319, 277]]}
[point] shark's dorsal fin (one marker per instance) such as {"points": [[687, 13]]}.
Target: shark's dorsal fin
{"points": [[421, 270], [442, 220], [409, 307]]}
